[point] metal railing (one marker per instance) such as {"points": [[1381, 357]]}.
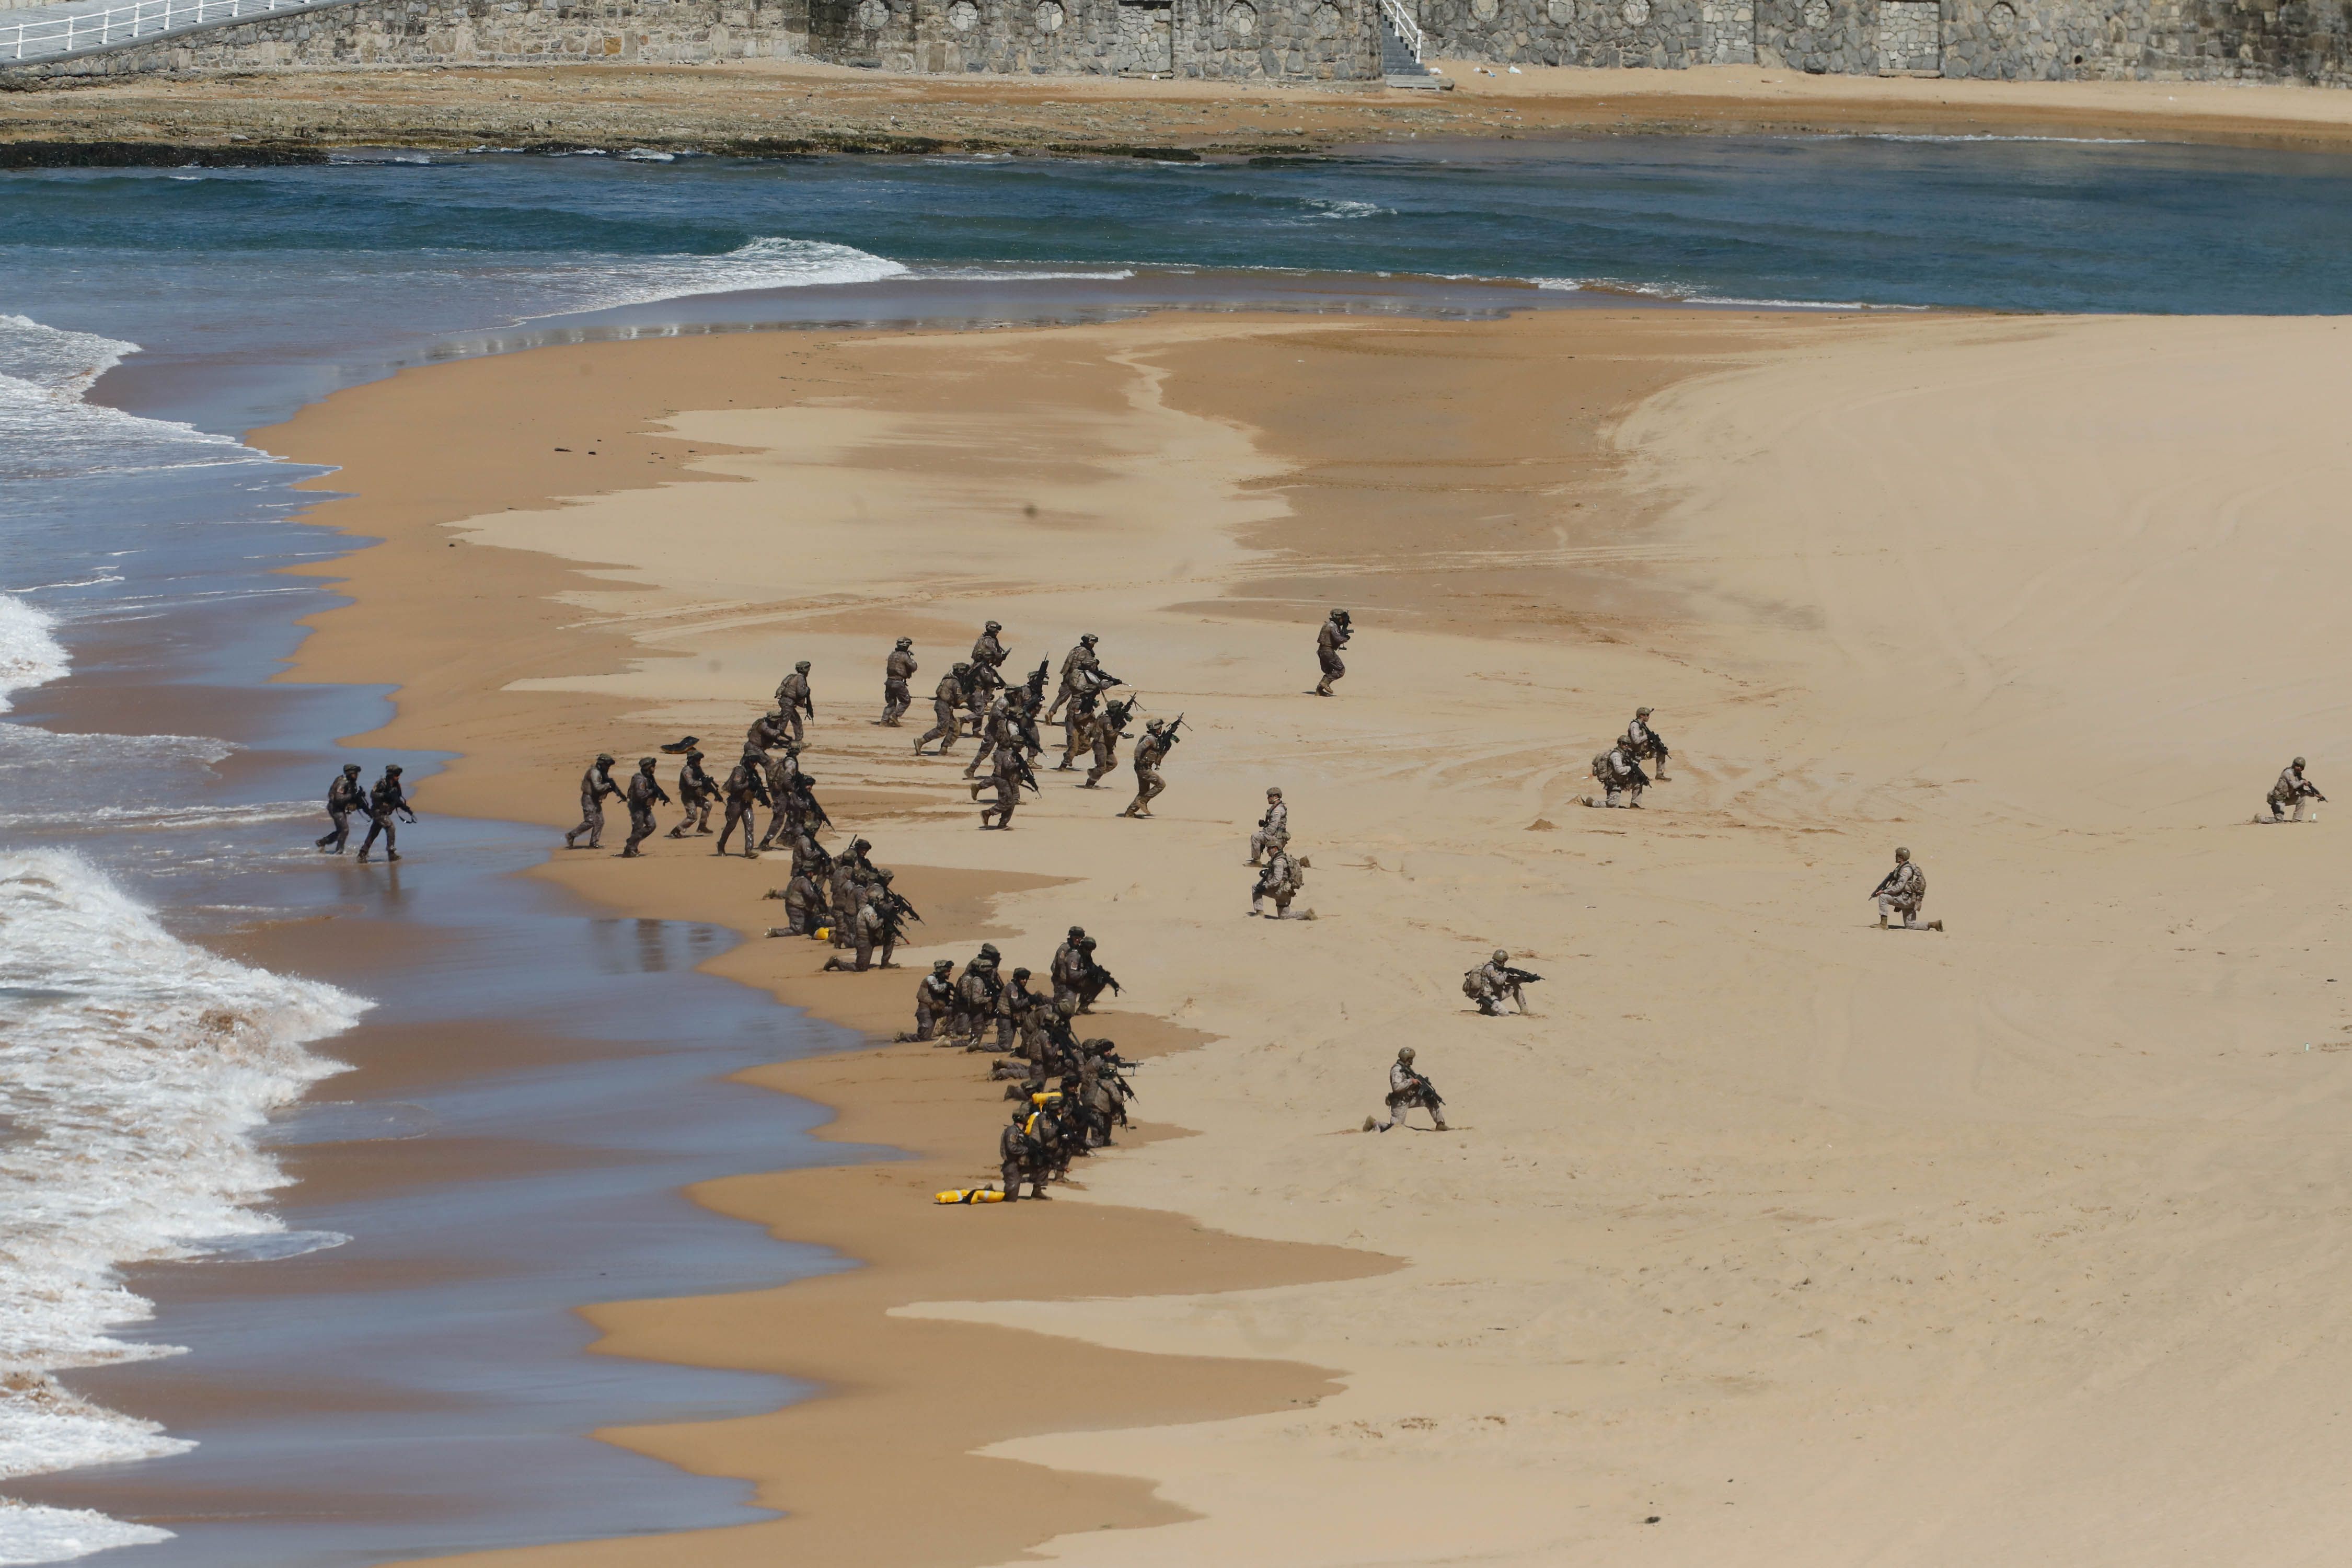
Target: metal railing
{"points": [[1407, 29], [51, 38]]}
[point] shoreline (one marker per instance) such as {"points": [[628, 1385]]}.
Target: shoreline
{"points": [[795, 108]]}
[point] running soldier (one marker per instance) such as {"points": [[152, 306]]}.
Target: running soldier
{"points": [[934, 994], [697, 790], [1901, 892], [1642, 743], [1079, 666], [944, 702], [743, 788], [793, 698], [990, 650], [897, 671], [1160, 738], [1077, 730], [345, 796], [1327, 643], [385, 802], [644, 790], [1104, 734], [594, 786], [1282, 880], [1006, 780], [1408, 1088], [782, 770], [1273, 828], [2292, 790]]}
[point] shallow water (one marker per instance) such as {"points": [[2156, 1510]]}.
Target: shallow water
{"points": [[156, 795]]}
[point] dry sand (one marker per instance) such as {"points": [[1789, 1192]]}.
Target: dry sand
{"points": [[771, 108], [1772, 1238]]}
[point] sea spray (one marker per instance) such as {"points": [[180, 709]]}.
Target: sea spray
{"points": [[136, 1071]]}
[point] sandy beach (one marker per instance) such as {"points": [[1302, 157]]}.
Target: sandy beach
{"points": [[1769, 1236]]}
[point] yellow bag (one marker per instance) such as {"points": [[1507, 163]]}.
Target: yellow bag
{"points": [[1046, 1098], [824, 934], [969, 1195]]}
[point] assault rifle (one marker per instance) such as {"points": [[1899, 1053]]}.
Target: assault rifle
{"points": [[1429, 1095], [1169, 735], [1888, 881], [1022, 772], [1520, 976], [1096, 979], [895, 912]]}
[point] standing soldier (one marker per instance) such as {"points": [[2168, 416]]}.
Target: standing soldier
{"points": [[1069, 966], [1077, 729], [1160, 738], [1408, 1088], [695, 791], [944, 702], [743, 788], [934, 994], [1281, 882], [386, 801], [793, 696], [1644, 743], [2292, 790], [897, 671], [594, 786], [1273, 828], [1078, 668], [345, 796], [782, 770], [644, 790], [1900, 891], [1327, 643]]}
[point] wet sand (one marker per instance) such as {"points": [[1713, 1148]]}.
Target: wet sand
{"points": [[1771, 1236], [782, 107]]}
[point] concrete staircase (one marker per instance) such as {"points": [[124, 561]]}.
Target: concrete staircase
{"points": [[1401, 50]]}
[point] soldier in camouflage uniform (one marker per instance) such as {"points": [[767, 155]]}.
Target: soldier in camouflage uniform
{"points": [[944, 702], [934, 993], [1078, 668], [898, 696], [1157, 740], [1327, 643], [697, 790], [2291, 790], [743, 788], [594, 786], [644, 790], [1901, 892], [1273, 828], [1281, 880]]}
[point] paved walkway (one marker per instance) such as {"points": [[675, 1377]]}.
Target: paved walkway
{"points": [[60, 31]]}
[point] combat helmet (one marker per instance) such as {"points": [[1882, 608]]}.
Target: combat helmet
{"points": [[1404, 1053]]}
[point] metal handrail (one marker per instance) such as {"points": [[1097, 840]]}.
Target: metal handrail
{"points": [[1407, 29], [56, 35]]}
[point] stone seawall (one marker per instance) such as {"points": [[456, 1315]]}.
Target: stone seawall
{"points": [[1308, 40], [2015, 41], [1299, 40]]}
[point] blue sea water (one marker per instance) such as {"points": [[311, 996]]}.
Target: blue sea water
{"points": [[149, 318]]}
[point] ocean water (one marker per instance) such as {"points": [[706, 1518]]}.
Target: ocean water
{"points": [[149, 1087]]}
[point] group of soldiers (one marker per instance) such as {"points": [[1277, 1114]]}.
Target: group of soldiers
{"points": [[1619, 771], [975, 698], [384, 803], [1069, 1093]]}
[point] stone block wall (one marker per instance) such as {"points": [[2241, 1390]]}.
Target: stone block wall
{"points": [[2055, 40], [1300, 39], [472, 32], [1326, 40]]}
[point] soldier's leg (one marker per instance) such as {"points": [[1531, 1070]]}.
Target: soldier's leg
{"points": [[335, 837], [1008, 1177], [375, 825], [927, 1023], [678, 829], [793, 717], [641, 827]]}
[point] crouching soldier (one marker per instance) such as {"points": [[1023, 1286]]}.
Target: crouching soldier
{"points": [[2291, 790], [1495, 980], [1018, 1156], [1901, 892], [1280, 880], [1619, 774], [1408, 1088], [934, 994]]}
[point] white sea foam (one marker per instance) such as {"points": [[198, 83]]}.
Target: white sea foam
{"points": [[58, 1534], [769, 262], [30, 654], [1339, 207], [46, 431], [137, 1071], [1683, 294], [112, 819]]}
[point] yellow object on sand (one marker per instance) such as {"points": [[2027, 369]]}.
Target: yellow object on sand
{"points": [[969, 1195], [824, 933]]}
